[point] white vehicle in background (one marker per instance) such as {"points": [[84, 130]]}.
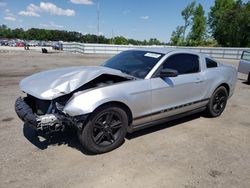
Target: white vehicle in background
{"points": [[244, 65]]}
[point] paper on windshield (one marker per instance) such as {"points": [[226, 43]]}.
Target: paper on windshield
{"points": [[153, 55]]}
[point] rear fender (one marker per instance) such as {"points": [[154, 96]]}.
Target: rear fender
{"points": [[228, 75]]}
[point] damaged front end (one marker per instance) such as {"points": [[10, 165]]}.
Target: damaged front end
{"points": [[43, 116], [46, 114]]}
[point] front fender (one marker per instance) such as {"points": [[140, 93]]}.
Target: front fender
{"points": [[87, 102]]}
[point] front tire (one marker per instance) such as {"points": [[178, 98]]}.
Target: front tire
{"points": [[105, 129], [248, 78], [217, 102]]}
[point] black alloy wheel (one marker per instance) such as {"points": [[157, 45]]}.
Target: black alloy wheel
{"points": [[105, 129], [218, 102]]}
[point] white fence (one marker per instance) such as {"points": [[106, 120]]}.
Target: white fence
{"points": [[222, 53]]}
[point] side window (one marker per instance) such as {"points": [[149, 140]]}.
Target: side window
{"points": [[183, 63], [210, 63]]}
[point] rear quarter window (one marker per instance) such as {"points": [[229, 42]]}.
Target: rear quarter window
{"points": [[211, 63]]}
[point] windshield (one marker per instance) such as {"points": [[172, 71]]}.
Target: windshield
{"points": [[134, 62]]}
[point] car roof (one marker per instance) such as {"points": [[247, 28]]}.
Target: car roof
{"points": [[164, 50]]}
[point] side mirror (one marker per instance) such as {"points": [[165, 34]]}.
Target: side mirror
{"points": [[168, 73]]}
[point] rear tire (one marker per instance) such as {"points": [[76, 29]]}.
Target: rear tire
{"points": [[105, 129], [248, 78], [217, 102]]}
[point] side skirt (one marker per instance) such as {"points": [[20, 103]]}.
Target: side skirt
{"points": [[163, 120]]}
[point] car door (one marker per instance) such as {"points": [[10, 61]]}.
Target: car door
{"points": [[173, 95], [244, 65]]}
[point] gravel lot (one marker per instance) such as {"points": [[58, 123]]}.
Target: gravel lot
{"points": [[188, 153]]}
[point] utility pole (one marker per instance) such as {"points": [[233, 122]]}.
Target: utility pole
{"points": [[98, 20], [112, 39]]}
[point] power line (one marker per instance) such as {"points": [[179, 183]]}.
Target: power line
{"points": [[98, 20]]}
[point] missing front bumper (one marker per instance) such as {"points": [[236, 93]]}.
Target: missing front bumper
{"points": [[46, 123], [25, 113], [49, 122]]}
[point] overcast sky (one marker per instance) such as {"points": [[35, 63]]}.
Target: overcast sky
{"points": [[138, 19]]}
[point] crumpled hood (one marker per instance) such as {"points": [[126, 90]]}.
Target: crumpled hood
{"points": [[51, 84]]}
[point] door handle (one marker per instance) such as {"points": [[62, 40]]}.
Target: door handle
{"points": [[198, 81]]}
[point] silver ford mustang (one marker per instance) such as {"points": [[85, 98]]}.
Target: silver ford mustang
{"points": [[133, 90]]}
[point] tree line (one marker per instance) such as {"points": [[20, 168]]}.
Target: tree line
{"points": [[70, 36], [227, 25]]}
